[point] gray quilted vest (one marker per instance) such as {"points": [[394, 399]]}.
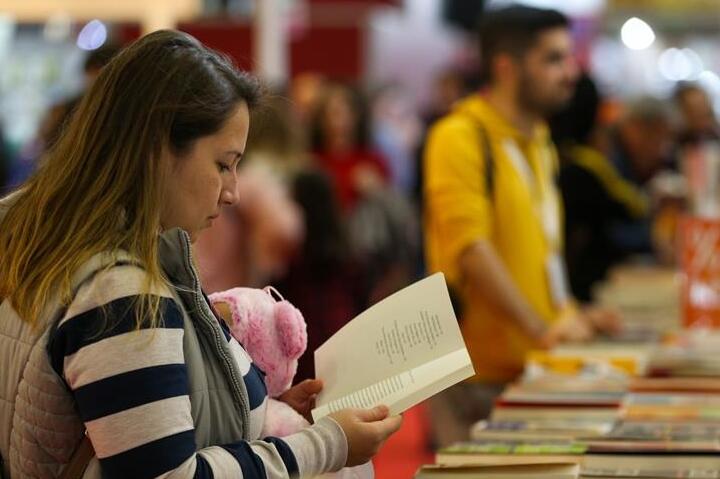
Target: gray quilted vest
{"points": [[39, 426]]}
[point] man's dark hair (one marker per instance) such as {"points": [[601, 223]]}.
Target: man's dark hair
{"points": [[513, 30]]}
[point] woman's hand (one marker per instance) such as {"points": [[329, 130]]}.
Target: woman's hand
{"points": [[366, 431], [301, 397]]}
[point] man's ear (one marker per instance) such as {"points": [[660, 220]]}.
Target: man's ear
{"points": [[505, 67]]}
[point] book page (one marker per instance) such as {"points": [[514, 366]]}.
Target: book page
{"points": [[398, 352], [406, 389]]}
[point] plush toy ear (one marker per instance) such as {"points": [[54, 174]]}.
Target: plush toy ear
{"points": [[274, 294], [291, 329]]}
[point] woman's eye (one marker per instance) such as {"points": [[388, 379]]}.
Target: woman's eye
{"points": [[223, 167]]}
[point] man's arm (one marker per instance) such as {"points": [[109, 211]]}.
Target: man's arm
{"points": [[485, 275]]}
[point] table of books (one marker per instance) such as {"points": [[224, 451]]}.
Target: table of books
{"points": [[645, 404]]}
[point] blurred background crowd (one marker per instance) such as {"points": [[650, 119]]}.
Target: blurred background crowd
{"points": [[331, 199]]}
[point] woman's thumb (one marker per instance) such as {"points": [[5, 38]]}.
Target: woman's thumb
{"points": [[378, 413], [311, 386]]}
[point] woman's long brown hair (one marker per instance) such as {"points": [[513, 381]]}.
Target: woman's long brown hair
{"points": [[98, 189]]}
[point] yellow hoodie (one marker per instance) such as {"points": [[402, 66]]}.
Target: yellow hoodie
{"points": [[459, 211]]}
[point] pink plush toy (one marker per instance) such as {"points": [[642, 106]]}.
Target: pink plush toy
{"points": [[274, 334]]}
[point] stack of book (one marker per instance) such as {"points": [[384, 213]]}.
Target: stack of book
{"points": [[644, 295], [690, 354]]}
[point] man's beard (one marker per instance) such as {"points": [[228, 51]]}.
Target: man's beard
{"points": [[529, 101]]}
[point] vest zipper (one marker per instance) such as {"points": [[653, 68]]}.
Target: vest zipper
{"points": [[239, 390]]}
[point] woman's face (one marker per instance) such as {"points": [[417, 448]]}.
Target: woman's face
{"points": [[203, 180], [339, 117]]}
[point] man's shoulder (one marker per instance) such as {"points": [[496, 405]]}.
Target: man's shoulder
{"points": [[456, 124]]}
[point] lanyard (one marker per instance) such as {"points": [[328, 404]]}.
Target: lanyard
{"points": [[545, 204]]}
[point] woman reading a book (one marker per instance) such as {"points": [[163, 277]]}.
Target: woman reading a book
{"points": [[105, 332]]}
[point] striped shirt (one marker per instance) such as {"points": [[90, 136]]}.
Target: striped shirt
{"points": [[132, 392]]}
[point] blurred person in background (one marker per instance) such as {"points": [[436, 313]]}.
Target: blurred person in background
{"points": [[323, 280], [340, 141], [594, 193], [253, 242], [382, 225], [640, 146], [396, 131], [278, 141], [448, 87], [52, 124], [305, 91], [54, 120], [697, 117], [96, 61], [493, 216]]}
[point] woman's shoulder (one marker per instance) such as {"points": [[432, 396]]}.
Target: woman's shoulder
{"points": [[114, 298], [109, 277]]}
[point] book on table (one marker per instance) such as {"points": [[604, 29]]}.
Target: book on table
{"points": [[594, 461], [666, 430], [510, 451], [483, 452], [654, 466], [684, 407], [586, 414], [676, 385], [540, 429], [519, 471]]}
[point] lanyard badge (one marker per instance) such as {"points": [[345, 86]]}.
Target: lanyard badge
{"points": [[545, 205]]}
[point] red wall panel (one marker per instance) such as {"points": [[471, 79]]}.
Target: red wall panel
{"points": [[337, 52], [232, 38]]}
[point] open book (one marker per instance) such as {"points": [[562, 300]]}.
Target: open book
{"points": [[399, 352]]}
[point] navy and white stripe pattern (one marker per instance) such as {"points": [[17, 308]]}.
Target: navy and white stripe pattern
{"points": [[132, 392]]}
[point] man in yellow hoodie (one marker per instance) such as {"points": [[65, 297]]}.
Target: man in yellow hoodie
{"points": [[493, 214]]}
